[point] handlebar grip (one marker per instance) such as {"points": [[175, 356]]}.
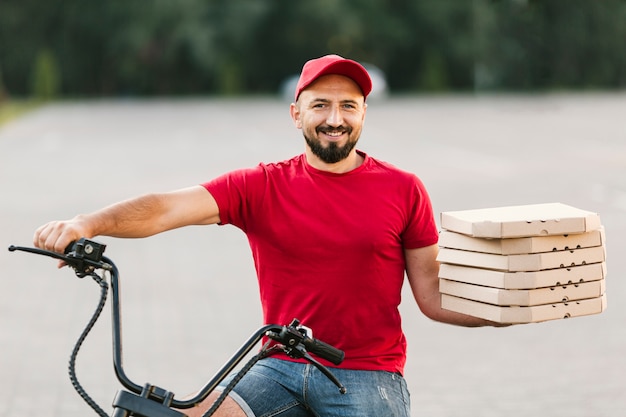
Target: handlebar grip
{"points": [[324, 350]]}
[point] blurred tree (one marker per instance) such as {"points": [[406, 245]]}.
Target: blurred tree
{"points": [[436, 50], [159, 47], [236, 24], [45, 77], [293, 32], [584, 42], [3, 92], [152, 47], [557, 44]]}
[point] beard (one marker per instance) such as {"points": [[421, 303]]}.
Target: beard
{"points": [[332, 153]]}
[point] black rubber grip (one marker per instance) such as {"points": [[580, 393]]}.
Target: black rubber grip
{"points": [[324, 350]]}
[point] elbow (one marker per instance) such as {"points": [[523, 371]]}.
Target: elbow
{"points": [[431, 307]]}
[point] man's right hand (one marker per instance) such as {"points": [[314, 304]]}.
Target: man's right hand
{"points": [[57, 235]]}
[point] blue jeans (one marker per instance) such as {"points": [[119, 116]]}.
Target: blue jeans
{"points": [[275, 387]]}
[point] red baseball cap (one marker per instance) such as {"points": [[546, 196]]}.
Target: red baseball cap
{"points": [[334, 64]]}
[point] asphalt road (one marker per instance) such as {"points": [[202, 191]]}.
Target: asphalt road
{"points": [[190, 296]]}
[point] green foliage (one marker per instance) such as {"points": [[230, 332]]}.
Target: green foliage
{"points": [[3, 92], [433, 73], [46, 78], [183, 47], [13, 109]]}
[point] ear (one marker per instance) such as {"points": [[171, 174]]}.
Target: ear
{"points": [[294, 110]]}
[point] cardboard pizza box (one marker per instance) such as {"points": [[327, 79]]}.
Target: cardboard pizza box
{"points": [[526, 262], [522, 245], [530, 297], [523, 280], [533, 314], [521, 221]]}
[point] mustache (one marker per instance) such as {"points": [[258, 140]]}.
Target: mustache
{"points": [[331, 129]]}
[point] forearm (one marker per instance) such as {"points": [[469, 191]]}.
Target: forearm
{"points": [[140, 217], [433, 310], [423, 273]]}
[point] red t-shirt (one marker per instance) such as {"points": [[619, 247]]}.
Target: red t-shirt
{"points": [[328, 249]]}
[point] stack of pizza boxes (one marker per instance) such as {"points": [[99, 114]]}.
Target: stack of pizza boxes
{"points": [[522, 264]]}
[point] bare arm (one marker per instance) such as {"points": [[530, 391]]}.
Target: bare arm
{"points": [[138, 217], [423, 272]]}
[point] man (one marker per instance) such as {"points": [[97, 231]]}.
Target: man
{"points": [[332, 233]]}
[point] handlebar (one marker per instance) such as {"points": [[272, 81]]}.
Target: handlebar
{"points": [[295, 334], [83, 255], [324, 350], [86, 257]]}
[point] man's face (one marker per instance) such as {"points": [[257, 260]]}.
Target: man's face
{"points": [[330, 113]]}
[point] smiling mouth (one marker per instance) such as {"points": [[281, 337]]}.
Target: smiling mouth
{"points": [[333, 133]]}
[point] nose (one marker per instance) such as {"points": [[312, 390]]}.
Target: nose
{"points": [[334, 118]]}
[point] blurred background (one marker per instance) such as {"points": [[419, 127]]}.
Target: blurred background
{"points": [[77, 48], [490, 102]]}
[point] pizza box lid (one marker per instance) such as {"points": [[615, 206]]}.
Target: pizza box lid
{"points": [[529, 297], [521, 245], [519, 315], [525, 262], [521, 221], [523, 280]]}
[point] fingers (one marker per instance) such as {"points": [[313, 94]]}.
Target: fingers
{"points": [[55, 236]]}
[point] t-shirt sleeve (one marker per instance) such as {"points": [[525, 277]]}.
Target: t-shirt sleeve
{"points": [[421, 230], [236, 193]]}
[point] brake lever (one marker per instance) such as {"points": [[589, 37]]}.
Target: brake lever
{"points": [[323, 369], [83, 255]]}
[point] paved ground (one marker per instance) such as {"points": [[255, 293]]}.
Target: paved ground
{"points": [[190, 295]]}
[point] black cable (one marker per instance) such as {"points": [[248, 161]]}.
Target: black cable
{"points": [[264, 352], [104, 287]]}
